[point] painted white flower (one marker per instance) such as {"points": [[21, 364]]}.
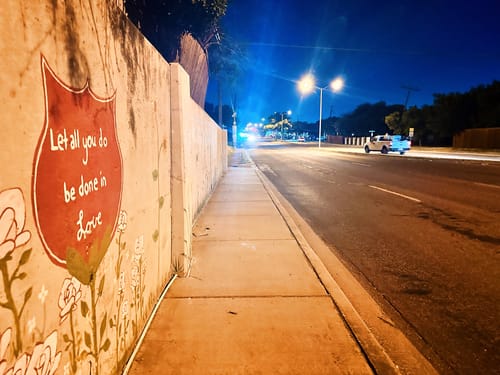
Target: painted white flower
{"points": [[70, 295], [31, 324], [4, 344], [124, 309], [45, 359], [122, 222], [134, 282], [21, 366], [12, 218], [43, 294], [139, 245]]}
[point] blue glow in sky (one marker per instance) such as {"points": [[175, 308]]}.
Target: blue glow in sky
{"points": [[437, 46]]}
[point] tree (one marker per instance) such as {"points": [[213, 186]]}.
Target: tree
{"points": [[225, 66], [365, 118], [227, 113], [393, 122], [329, 126], [414, 118], [163, 22], [278, 121]]}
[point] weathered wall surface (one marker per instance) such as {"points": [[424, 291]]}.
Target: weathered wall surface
{"points": [[194, 60], [93, 140]]}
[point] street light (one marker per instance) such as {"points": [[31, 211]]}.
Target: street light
{"points": [[307, 84], [234, 130], [289, 112]]}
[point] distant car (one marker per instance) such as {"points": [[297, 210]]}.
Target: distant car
{"points": [[301, 139], [387, 143]]}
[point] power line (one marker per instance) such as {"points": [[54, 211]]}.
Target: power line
{"points": [[489, 54]]}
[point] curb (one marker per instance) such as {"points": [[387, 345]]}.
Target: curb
{"points": [[375, 354], [386, 347]]}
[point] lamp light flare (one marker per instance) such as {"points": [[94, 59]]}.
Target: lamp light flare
{"points": [[337, 84], [307, 84]]}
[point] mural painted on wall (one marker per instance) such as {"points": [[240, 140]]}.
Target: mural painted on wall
{"points": [[44, 358], [77, 176], [84, 335], [93, 315]]}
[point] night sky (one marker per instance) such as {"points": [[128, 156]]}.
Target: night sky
{"points": [[377, 47]]}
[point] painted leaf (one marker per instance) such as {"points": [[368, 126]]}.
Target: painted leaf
{"points": [[84, 308], [103, 325], [161, 201], [155, 175], [101, 286], [25, 257], [156, 235], [88, 340], [106, 345], [28, 294]]}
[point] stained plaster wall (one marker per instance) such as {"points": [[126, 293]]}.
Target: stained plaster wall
{"points": [[201, 163], [81, 67]]}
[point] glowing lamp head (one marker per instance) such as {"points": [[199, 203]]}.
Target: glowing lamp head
{"points": [[306, 84], [337, 84]]}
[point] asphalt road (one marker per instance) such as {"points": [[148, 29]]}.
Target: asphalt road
{"points": [[422, 234]]}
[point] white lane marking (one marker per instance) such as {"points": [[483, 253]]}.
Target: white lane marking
{"points": [[487, 185], [398, 194], [362, 164]]}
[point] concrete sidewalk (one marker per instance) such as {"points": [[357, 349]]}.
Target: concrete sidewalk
{"points": [[253, 303]]}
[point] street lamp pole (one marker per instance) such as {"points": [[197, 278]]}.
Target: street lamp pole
{"points": [[289, 112], [307, 84], [320, 114], [281, 126], [234, 130]]}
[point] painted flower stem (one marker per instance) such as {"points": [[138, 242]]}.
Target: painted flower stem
{"points": [[95, 344], [10, 305], [73, 343], [120, 299]]}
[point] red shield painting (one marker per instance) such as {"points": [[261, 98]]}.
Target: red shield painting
{"points": [[77, 173]]}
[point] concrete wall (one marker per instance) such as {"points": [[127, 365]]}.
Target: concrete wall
{"points": [[106, 162]]}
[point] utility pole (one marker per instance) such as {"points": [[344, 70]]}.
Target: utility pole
{"points": [[409, 90]]}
